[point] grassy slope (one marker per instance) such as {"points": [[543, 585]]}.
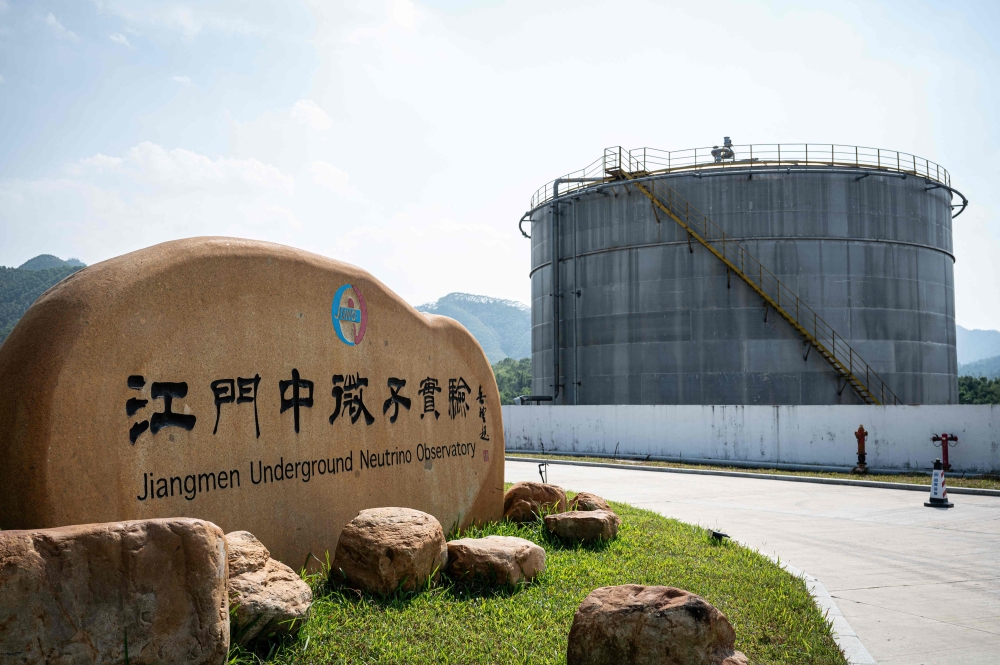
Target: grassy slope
{"points": [[775, 618], [984, 482]]}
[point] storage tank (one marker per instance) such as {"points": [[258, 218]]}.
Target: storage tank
{"points": [[763, 274]]}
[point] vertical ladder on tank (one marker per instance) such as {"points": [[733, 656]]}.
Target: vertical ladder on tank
{"points": [[853, 370]]}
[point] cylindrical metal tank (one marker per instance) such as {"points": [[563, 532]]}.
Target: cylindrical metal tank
{"points": [[646, 316]]}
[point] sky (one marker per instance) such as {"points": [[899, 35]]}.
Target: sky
{"points": [[407, 137]]}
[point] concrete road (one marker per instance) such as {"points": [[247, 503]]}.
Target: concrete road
{"points": [[920, 586]]}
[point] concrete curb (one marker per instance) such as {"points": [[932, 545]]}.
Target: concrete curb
{"points": [[766, 476], [843, 634]]}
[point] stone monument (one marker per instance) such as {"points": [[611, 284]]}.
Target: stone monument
{"points": [[257, 386]]}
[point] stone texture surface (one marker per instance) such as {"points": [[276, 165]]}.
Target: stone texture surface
{"points": [[500, 559], [385, 549], [69, 594], [206, 310], [524, 501], [585, 525], [269, 597], [588, 501], [650, 625]]}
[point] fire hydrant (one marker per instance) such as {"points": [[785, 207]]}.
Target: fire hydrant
{"points": [[861, 435], [943, 442]]}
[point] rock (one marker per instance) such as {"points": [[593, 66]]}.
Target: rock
{"points": [[385, 549], [523, 502], [585, 525], [650, 625], [174, 380], [69, 594], [269, 597], [588, 501], [503, 559]]}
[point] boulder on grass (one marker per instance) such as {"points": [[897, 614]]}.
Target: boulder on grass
{"points": [[70, 594], [270, 599], [499, 559], [386, 549], [588, 501], [650, 625], [585, 525], [524, 502]]}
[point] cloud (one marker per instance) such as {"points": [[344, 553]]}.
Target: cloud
{"points": [[4, 6], [290, 138], [59, 28], [183, 80], [99, 162], [309, 113], [119, 38], [105, 205], [149, 163], [329, 177], [2, 79]]}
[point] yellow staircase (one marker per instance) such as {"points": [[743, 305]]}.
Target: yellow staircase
{"points": [[814, 330]]}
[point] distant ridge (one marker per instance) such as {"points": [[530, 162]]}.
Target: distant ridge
{"points": [[20, 287], [987, 367], [46, 261], [502, 327], [976, 345]]}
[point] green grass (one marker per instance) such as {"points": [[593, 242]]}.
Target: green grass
{"points": [[775, 618], [988, 481]]}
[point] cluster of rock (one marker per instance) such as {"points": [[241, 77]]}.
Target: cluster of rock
{"points": [[632, 624], [586, 518], [384, 550], [159, 590]]}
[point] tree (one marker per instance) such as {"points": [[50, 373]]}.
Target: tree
{"points": [[978, 391], [20, 288], [513, 378]]}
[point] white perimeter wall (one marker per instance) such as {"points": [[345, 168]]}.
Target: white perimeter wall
{"points": [[899, 436]]}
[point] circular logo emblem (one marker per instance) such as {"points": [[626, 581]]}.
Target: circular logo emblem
{"points": [[350, 315]]}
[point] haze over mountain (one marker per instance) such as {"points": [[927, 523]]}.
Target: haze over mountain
{"points": [[502, 327], [976, 345], [987, 367]]}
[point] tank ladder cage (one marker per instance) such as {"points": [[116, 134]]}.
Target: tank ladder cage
{"points": [[851, 368], [651, 161]]}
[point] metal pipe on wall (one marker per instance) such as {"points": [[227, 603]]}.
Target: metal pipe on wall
{"points": [[554, 239]]}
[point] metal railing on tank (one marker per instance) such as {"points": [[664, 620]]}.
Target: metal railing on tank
{"points": [[653, 161], [817, 333]]}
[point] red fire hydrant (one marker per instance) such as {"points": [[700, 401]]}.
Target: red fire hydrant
{"points": [[861, 435], [944, 444]]}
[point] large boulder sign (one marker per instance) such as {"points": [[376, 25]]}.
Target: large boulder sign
{"points": [[259, 387]]}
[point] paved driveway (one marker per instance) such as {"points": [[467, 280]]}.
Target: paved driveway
{"points": [[919, 586]]}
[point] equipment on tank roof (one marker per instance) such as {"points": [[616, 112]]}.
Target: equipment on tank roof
{"points": [[725, 152]]}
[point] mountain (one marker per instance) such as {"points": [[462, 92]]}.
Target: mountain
{"points": [[502, 327], [46, 261], [20, 287], [988, 367], [976, 345]]}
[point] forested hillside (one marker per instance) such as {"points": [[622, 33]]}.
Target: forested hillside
{"points": [[21, 287], [988, 367], [513, 378], [502, 327]]}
